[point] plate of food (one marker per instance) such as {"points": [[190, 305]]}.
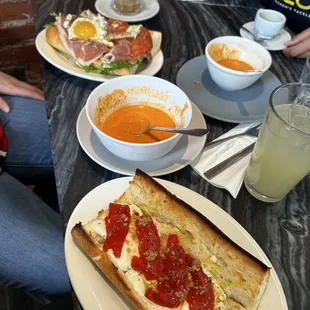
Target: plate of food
{"points": [[92, 47], [136, 243]]}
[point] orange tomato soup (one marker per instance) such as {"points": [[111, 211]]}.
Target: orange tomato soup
{"points": [[235, 64], [123, 123]]}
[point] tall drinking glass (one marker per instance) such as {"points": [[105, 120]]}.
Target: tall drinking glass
{"points": [[128, 6], [305, 75], [281, 157]]}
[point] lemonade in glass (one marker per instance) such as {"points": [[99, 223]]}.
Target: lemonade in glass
{"points": [[281, 157]]}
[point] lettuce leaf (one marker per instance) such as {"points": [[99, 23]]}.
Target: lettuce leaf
{"points": [[92, 69], [49, 24], [119, 64], [55, 14]]}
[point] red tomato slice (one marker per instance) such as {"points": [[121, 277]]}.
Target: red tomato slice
{"points": [[142, 44], [117, 26]]}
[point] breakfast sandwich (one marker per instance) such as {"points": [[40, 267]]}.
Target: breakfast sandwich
{"points": [[102, 45], [163, 254]]}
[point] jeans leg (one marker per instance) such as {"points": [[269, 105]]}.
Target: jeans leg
{"points": [[31, 241], [29, 147]]}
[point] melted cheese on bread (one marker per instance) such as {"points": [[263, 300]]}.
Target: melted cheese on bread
{"points": [[134, 279]]}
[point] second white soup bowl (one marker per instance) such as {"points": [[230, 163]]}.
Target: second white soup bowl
{"points": [[241, 49], [138, 89]]}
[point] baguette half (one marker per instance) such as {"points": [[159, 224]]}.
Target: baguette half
{"points": [[86, 243], [52, 37], [240, 275]]}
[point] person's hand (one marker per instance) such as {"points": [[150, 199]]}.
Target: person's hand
{"points": [[12, 86], [299, 46]]}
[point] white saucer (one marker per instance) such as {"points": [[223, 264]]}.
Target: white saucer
{"points": [[149, 9], [276, 44], [246, 105], [186, 150]]}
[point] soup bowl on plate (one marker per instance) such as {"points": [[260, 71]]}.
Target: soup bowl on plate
{"points": [[120, 108], [236, 63]]}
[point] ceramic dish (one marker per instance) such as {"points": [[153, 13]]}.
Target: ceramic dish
{"points": [[247, 105], [154, 92], [53, 57], [95, 292], [236, 48], [186, 150], [275, 44]]}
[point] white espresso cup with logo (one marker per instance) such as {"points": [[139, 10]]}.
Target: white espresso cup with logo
{"points": [[268, 23]]}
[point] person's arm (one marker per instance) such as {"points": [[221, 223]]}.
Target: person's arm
{"points": [[299, 46], [12, 86]]}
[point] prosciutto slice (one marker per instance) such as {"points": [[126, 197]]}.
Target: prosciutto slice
{"points": [[122, 51], [84, 51], [87, 51]]}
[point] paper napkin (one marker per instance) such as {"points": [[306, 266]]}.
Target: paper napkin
{"points": [[230, 179]]}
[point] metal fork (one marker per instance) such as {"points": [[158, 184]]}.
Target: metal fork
{"points": [[254, 131]]}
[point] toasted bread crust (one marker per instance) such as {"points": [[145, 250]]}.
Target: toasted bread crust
{"points": [[52, 37], [142, 178], [104, 263], [240, 266], [242, 276]]}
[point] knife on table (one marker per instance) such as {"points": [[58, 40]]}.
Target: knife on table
{"points": [[217, 169]]}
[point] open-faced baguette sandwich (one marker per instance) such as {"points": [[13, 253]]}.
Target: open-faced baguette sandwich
{"points": [[102, 45], [161, 253]]}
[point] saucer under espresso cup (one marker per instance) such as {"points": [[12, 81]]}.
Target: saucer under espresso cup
{"points": [[275, 44], [268, 23]]}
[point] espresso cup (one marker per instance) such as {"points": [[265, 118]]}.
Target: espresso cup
{"points": [[268, 23]]}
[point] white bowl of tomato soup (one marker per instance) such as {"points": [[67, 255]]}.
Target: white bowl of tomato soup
{"points": [[120, 108], [235, 63]]}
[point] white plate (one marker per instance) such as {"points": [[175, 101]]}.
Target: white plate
{"points": [[51, 55], [276, 44], [186, 150], [96, 293], [149, 9]]}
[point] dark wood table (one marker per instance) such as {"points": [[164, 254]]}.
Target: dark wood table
{"points": [[281, 229]]}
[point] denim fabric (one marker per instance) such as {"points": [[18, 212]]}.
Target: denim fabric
{"points": [[31, 241], [31, 233], [29, 147]]}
